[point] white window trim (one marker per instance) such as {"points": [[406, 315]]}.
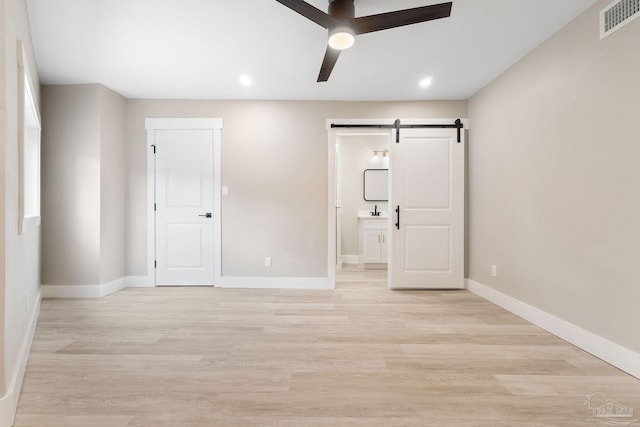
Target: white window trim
{"points": [[26, 97]]}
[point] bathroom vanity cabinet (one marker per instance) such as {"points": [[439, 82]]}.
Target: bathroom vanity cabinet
{"points": [[373, 241]]}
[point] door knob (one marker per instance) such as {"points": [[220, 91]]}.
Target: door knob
{"points": [[207, 215]]}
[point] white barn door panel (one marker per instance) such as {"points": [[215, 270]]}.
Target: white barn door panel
{"points": [[427, 194]]}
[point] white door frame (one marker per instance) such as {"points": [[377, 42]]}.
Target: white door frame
{"points": [[153, 124], [333, 135]]}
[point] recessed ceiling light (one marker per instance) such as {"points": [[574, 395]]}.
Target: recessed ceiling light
{"points": [[245, 80], [426, 82]]}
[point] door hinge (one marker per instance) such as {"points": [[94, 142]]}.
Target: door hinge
{"points": [[154, 148], [155, 264], [155, 207]]}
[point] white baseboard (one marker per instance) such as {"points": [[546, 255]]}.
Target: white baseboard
{"points": [[612, 353], [275, 283], [9, 402], [83, 291], [99, 291], [351, 259]]}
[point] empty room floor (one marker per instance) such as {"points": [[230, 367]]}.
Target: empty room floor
{"points": [[361, 355]]}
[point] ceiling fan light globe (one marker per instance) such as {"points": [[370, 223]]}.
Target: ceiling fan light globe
{"points": [[341, 39]]}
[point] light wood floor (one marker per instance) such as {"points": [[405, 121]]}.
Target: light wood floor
{"points": [[358, 356]]}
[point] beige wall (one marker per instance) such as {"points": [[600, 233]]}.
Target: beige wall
{"points": [[3, 143], [83, 185], [70, 184], [554, 195], [112, 186], [274, 161], [20, 254]]}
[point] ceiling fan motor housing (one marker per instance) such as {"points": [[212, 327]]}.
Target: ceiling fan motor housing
{"points": [[342, 9]]}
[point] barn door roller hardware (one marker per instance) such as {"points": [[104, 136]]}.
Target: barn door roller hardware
{"points": [[397, 126]]}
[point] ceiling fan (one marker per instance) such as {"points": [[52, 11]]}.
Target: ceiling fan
{"points": [[343, 26]]}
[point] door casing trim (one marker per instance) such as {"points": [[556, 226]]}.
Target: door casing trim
{"points": [[154, 124]]}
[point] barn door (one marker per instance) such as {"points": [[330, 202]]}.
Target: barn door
{"points": [[427, 204]]}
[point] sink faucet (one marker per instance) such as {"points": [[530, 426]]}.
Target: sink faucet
{"points": [[375, 211]]}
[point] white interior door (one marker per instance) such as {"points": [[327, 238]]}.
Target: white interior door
{"points": [[184, 207], [427, 192]]}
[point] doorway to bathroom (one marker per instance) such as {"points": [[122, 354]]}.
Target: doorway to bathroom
{"points": [[362, 201], [413, 226]]}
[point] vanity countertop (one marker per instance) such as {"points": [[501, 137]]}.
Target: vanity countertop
{"points": [[363, 213]]}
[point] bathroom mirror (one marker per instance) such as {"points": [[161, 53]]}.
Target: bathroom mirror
{"points": [[375, 185]]}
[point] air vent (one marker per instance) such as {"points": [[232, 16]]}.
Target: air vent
{"points": [[617, 15]]}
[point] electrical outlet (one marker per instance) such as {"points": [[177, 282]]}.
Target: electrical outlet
{"points": [[267, 261], [494, 271]]}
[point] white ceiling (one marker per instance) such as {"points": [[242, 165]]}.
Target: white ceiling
{"points": [[197, 49]]}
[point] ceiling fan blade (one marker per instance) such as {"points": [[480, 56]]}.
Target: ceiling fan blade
{"points": [[310, 12], [330, 59], [383, 21]]}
